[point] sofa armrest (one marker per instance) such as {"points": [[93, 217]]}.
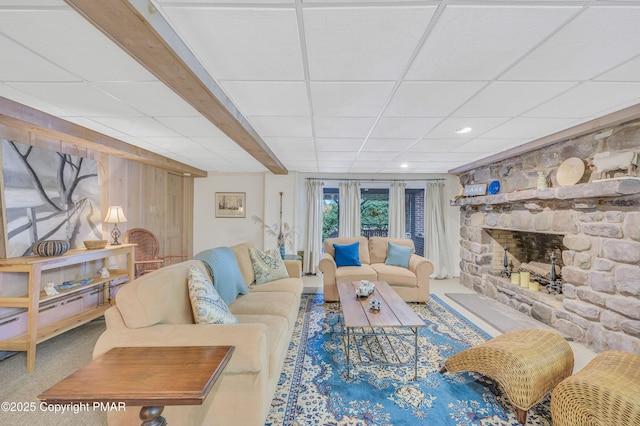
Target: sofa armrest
{"points": [[294, 268], [327, 266], [420, 266], [251, 342]]}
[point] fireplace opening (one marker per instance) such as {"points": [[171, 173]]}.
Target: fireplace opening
{"points": [[528, 251]]}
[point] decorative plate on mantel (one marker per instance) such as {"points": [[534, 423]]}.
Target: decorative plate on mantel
{"points": [[570, 171]]}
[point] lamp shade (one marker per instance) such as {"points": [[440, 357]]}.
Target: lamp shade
{"points": [[115, 215]]}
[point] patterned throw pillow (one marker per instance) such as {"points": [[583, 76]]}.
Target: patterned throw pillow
{"points": [[268, 266], [207, 306]]}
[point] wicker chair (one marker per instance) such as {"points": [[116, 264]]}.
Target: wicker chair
{"points": [[605, 392], [527, 364], [147, 251]]}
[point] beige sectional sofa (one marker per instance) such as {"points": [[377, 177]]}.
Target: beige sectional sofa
{"points": [[155, 310], [412, 284]]}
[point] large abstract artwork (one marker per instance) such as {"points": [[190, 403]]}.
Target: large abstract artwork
{"points": [[48, 196]]}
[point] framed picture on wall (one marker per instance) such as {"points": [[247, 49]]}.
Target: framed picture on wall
{"points": [[230, 204]]}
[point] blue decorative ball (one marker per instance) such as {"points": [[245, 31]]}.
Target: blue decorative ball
{"points": [[50, 247]]}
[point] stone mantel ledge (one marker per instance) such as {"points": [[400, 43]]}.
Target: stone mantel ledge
{"points": [[605, 188]]}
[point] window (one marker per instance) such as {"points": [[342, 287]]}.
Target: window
{"points": [[374, 214], [330, 213], [414, 217]]}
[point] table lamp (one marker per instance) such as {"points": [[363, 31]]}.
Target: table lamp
{"points": [[115, 215]]}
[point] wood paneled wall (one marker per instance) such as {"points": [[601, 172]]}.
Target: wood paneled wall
{"points": [[152, 198]]}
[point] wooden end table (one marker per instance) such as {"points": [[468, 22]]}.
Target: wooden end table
{"points": [[151, 377]]}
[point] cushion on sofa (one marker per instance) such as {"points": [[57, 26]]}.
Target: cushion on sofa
{"points": [[378, 247], [395, 275], [268, 265], [347, 254], [363, 249], [356, 273], [223, 268], [287, 285], [145, 301], [244, 261], [398, 255], [207, 305], [267, 303]]}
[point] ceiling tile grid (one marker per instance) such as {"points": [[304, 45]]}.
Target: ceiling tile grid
{"points": [[338, 86]]}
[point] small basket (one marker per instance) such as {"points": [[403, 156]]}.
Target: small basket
{"points": [[95, 244]]}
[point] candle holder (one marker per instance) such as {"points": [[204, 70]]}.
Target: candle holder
{"points": [[505, 262]]}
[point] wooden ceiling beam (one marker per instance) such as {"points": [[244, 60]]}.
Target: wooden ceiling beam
{"points": [[139, 29], [19, 116]]}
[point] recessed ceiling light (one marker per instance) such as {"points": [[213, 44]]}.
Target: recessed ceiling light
{"points": [[463, 130], [404, 165]]}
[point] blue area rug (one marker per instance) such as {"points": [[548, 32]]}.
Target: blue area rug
{"points": [[315, 390]]}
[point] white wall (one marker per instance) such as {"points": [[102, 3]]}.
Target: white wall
{"points": [[263, 200], [210, 231]]}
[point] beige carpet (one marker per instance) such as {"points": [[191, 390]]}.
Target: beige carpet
{"points": [[55, 359]]}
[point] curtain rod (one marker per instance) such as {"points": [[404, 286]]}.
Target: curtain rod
{"points": [[380, 180]]}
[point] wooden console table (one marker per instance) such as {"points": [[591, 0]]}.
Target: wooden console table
{"points": [[151, 377]]}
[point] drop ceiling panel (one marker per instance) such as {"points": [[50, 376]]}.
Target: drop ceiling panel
{"points": [[349, 99], [34, 102], [397, 145], [599, 38], [362, 43], [504, 99], [528, 128], [629, 71], [430, 99], [336, 127], [68, 40], [457, 48], [400, 127], [191, 126], [479, 125], [176, 144], [339, 144], [78, 98], [489, 145], [437, 145], [293, 144], [377, 156], [241, 43], [219, 143], [589, 99], [437, 156], [283, 127], [137, 126], [19, 64], [149, 98], [268, 98]]}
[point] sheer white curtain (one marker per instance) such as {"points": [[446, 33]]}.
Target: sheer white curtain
{"points": [[349, 214], [436, 247], [397, 227], [315, 206]]}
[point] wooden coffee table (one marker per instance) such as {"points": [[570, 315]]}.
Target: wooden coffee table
{"points": [[394, 313], [151, 377]]}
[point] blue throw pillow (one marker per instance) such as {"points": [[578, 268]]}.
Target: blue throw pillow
{"points": [[347, 255], [223, 267], [398, 255]]}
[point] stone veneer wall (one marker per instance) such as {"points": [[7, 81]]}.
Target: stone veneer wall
{"points": [[600, 222]]}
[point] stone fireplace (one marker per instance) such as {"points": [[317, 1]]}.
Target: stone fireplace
{"points": [[593, 228]]}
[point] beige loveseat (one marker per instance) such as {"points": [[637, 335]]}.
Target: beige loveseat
{"points": [[411, 284], [155, 310]]}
